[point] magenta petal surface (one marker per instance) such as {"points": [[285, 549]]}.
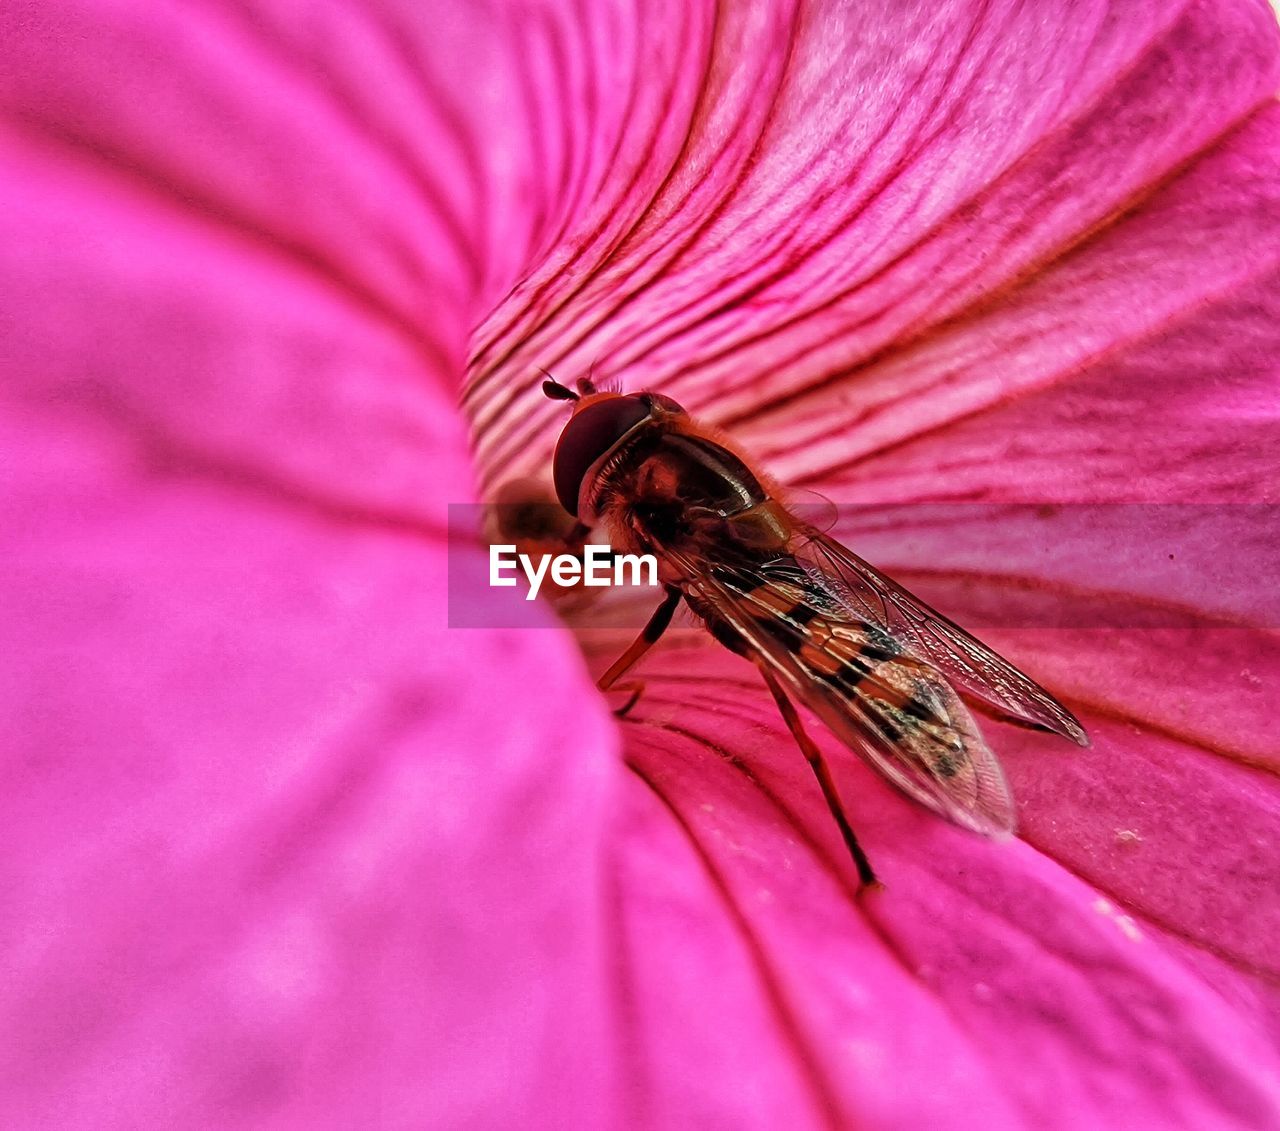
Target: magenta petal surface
{"points": [[283, 849]]}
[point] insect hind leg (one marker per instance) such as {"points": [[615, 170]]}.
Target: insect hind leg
{"points": [[634, 688], [866, 874]]}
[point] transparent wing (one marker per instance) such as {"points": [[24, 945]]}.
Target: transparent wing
{"points": [[968, 664], [897, 712]]}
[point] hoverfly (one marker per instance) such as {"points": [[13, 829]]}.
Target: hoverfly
{"points": [[879, 667]]}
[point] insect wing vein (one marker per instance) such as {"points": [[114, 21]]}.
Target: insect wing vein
{"points": [[971, 666], [923, 740]]}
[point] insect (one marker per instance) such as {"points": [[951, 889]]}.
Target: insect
{"points": [[879, 667]]}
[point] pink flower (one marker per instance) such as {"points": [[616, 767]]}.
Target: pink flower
{"points": [[284, 849]]}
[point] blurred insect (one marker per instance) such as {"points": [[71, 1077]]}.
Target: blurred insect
{"points": [[875, 664]]}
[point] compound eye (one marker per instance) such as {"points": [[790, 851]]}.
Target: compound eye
{"points": [[590, 433]]}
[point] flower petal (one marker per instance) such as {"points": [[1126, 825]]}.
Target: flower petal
{"points": [[1047, 396], [271, 854], [890, 189], [983, 971]]}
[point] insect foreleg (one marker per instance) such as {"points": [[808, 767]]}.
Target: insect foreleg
{"points": [[813, 755], [649, 636]]}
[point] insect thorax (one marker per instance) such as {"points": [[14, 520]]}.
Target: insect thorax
{"points": [[673, 489]]}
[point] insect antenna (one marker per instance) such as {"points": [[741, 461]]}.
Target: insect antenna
{"points": [[611, 384], [587, 385], [555, 391]]}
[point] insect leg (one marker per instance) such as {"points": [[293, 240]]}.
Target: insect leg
{"points": [[813, 755], [649, 636]]}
